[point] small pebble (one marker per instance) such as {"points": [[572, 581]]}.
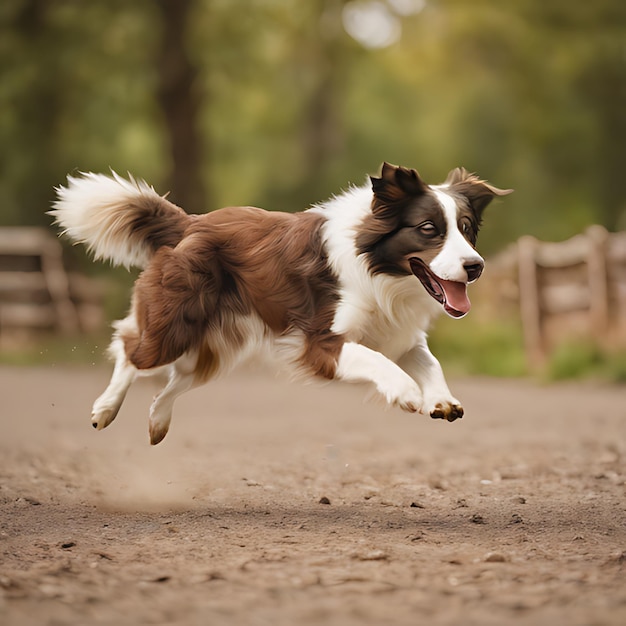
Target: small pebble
{"points": [[324, 500], [374, 555], [495, 557], [477, 519], [417, 505], [156, 579], [416, 537]]}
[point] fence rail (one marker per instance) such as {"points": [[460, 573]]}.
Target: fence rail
{"points": [[36, 291], [573, 288]]}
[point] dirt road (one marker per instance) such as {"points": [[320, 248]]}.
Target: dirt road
{"points": [[276, 503]]}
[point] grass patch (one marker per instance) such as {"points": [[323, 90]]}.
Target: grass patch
{"points": [[472, 347], [584, 359], [57, 350]]}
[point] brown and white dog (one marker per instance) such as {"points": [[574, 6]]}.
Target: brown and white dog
{"points": [[345, 290]]}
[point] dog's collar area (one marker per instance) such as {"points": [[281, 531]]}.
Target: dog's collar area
{"points": [[452, 295]]}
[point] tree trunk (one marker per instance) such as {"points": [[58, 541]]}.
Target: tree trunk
{"points": [[180, 100], [322, 127], [37, 108]]}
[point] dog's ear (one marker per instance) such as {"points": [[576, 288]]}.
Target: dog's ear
{"points": [[395, 186], [479, 193]]}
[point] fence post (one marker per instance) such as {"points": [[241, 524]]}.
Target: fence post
{"points": [[530, 309], [598, 281]]}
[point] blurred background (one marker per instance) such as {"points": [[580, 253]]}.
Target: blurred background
{"points": [[281, 103]]}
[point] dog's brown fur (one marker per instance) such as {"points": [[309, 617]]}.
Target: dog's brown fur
{"points": [[221, 268]]}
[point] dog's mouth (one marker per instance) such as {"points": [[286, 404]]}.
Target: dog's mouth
{"points": [[452, 295]]}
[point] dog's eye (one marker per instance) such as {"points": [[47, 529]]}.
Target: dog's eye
{"points": [[428, 229], [467, 227]]}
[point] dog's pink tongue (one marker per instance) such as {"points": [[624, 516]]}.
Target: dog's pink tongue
{"points": [[457, 302]]}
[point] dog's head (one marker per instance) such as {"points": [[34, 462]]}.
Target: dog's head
{"points": [[427, 231]]}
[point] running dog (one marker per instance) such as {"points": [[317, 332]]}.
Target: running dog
{"points": [[345, 290]]}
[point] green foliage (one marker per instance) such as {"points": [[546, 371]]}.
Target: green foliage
{"points": [[76, 93], [584, 359], [55, 350], [474, 347], [528, 93]]}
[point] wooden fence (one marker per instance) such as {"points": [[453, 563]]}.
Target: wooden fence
{"points": [[36, 291], [570, 289]]}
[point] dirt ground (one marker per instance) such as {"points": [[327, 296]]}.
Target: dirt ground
{"points": [[278, 503]]}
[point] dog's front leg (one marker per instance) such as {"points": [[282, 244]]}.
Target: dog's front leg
{"points": [[107, 406], [357, 363], [423, 367]]}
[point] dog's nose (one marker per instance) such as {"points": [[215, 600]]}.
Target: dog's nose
{"points": [[474, 270]]}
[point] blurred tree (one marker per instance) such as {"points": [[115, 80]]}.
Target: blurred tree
{"points": [[602, 86], [73, 93], [277, 113], [180, 98], [34, 97], [531, 95], [582, 69], [272, 102], [324, 54]]}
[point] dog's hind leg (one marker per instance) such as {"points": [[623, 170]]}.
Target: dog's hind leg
{"points": [[182, 377], [107, 406]]}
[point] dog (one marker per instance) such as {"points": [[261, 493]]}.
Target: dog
{"points": [[345, 290]]}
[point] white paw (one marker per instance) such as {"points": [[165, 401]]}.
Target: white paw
{"points": [[403, 393], [102, 417]]}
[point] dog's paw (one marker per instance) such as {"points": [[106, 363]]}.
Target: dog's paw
{"points": [[157, 432], [449, 410], [404, 394], [102, 417], [159, 424]]}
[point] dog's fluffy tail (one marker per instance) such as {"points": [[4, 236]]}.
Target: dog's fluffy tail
{"points": [[124, 221]]}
